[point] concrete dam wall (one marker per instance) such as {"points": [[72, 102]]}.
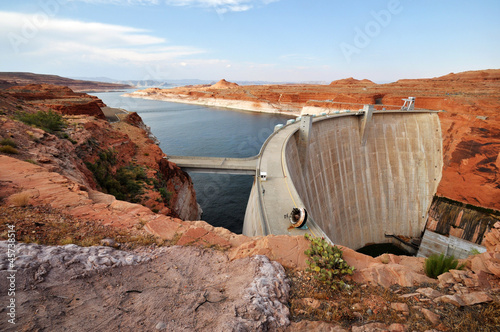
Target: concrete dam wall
{"points": [[356, 193]]}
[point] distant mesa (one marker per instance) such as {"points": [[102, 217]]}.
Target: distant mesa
{"points": [[351, 81], [223, 84], [473, 75], [10, 79], [466, 77]]}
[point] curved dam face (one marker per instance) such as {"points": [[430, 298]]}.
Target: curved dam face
{"points": [[356, 193]]}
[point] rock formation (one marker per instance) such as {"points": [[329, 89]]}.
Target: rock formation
{"points": [[351, 81], [59, 98], [168, 289], [87, 140], [9, 79], [223, 84]]}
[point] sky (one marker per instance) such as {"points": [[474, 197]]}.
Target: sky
{"points": [[250, 40]]}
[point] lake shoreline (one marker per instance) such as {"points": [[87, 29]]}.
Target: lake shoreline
{"points": [[232, 104]]}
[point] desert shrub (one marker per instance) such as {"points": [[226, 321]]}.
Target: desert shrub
{"points": [[326, 262], [66, 240], [8, 142], [20, 199], [65, 135], [8, 149], [436, 265], [108, 156], [131, 179], [126, 184], [474, 251], [49, 121], [166, 195]]}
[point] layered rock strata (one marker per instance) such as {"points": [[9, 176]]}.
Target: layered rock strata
{"points": [[9, 79]]}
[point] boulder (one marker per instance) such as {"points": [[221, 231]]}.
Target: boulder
{"points": [[432, 317]]}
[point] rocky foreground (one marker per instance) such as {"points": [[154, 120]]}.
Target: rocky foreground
{"points": [[168, 271]]}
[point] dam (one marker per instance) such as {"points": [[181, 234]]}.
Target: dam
{"points": [[360, 175]]}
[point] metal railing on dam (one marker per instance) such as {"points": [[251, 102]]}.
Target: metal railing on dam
{"points": [[360, 175]]}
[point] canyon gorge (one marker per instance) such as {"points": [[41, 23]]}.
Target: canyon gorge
{"points": [[109, 179]]}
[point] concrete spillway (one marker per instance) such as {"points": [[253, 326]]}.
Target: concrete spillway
{"points": [[355, 193]]}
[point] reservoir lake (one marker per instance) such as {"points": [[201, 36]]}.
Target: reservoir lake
{"points": [[193, 130]]}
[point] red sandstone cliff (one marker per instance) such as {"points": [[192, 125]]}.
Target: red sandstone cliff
{"points": [[59, 98], [132, 159], [9, 79]]}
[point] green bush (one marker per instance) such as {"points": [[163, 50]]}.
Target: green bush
{"points": [[108, 156], [326, 262], [8, 149], [166, 195], [474, 251], [126, 184], [9, 142], [49, 121], [436, 265]]}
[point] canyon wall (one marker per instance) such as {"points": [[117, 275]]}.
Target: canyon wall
{"points": [[464, 221], [118, 158]]}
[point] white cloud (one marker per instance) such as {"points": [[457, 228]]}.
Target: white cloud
{"points": [[25, 35], [221, 6], [120, 2]]}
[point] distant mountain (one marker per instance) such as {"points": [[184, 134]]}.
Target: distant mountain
{"points": [[96, 79], [8, 79], [146, 83], [158, 83]]}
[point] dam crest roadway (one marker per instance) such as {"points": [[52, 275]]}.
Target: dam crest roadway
{"points": [[360, 175]]}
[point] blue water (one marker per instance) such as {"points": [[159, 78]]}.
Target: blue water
{"points": [[193, 130]]}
